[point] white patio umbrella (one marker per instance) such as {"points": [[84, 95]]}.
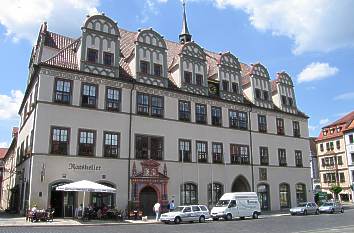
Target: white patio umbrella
{"points": [[85, 186]]}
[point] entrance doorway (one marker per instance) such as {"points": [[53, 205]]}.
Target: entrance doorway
{"points": [[240, 185], [263, 195], [62, 202], [148, 198]]}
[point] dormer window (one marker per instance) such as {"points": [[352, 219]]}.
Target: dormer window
{"points": [[283, 99], [338, 129], [92, 55], [332, 130], [144, 67], [199, 79], [225, 85], [108, 58], [235, 88], [290, 100], [157, 70], [258, 93], [265, 95], [324, 132], [188, 77]]}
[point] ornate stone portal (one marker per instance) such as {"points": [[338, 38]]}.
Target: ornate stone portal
{"points": [[149, 179]]}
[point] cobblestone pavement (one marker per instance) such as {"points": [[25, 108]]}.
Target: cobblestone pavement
{"points": [[324, 223]]}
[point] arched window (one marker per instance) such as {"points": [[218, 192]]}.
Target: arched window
{"points": [[103, 199], [215, 194], [263, 196], [284, 195], [300, 193], [189, 194]]}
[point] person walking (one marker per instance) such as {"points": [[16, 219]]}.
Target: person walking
{"points": [[157, 210], [171, 205]]}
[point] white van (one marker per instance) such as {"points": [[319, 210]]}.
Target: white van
{"points": [[239, 204]]}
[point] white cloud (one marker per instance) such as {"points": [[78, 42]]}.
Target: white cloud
{"points": [[316, 25], [324, 121], [22, 18], [4, 145], [149, 8], [9, 105], [316, 71], [345, 96]]}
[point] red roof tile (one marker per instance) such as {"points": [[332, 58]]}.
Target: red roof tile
{"points": [[57, 41], [342, 124], [3, 152]]}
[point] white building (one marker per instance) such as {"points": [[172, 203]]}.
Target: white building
{"points": [[349, 145], [157, 120]]}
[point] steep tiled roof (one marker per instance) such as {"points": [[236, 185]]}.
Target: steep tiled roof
{"points": [[3, 152], [345, 119], [342, 124], [274, 86], [313, 146], [57, 41]]}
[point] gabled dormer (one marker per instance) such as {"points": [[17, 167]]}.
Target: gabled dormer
{"points": [[150, 58], [99, 49], [229, 77], [283, 94], [191, 73], [258, 88]]}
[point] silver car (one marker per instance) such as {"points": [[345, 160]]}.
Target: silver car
{"points": [[331, 207], [190, 213], [305, 208]]}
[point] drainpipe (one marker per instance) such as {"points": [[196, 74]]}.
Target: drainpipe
{"points": [[251, 147], [130, 142]]}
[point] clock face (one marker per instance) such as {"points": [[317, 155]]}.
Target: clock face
{"points": [[213, 89]]}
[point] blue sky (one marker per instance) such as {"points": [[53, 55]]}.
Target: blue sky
{"points": [[311, 40]]}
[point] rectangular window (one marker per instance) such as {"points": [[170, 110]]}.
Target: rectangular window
{"points": [[282, 157], [239, 154], [199, 79], [296, 129], [157, 70], [258, 93], [144, 67], [111, 145], [290, 101], [283, 99], [280, 126], [202, 151], [338, 144], [331, 145], [262, 173], [264, 156], [63, 91], [352, 156], [148, 147], [339, 160], [327, 145], [143, 104], [235, 88], [89, 96], [238, 119], [188, 77], [108, 59], [217, 152], [341, 177], [87, 141], [113, 101], [92, 55], [185, 152], [157, 106], [298, 158], [321, 147], [265, 95], [262, 123], [201, 113], [184, 110], [351, 138], [216, 118], [60, 141], [225, 85]]}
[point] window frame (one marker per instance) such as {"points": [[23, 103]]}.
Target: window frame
{"points": [[55, 91], [280, 127], [111, 58], [93, 144], [215, 119], [52, 128], [217, 152], [282, 157], [262, 126], [296, 129], [263, 157], [201, 118], [199, 79], [298, 158], [142, 65], [149, 148], [158, 70], [181, 157], [238, 123], [200, 158], [88, 55], [104, 144], [113, 101], [88, 105], [187, 75], [225, 85], [237, 155], [184, 115]]}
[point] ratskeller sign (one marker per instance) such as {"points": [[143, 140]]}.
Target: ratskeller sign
{"points": [[86, 167]]}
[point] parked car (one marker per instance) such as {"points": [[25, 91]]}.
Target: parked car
{"points": [[331, 207], [239, 204], [305, 208], [189, 213]]}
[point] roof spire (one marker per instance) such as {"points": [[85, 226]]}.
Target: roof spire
{"points": [[184, 36]]}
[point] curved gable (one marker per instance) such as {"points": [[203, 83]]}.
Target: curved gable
{"points": [[102, 23], [284, 78], [193, 50], [151, 37], [259, 70], [228, 59]]}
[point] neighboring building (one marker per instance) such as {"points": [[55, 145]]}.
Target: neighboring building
{"points": [[315, 175], [157, 120], [332, 157], [9, 190], [2, 155], [349, 144]]}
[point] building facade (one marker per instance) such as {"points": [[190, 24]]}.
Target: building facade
{"points": [[349, 145], [157, 120], [332, 148]]}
